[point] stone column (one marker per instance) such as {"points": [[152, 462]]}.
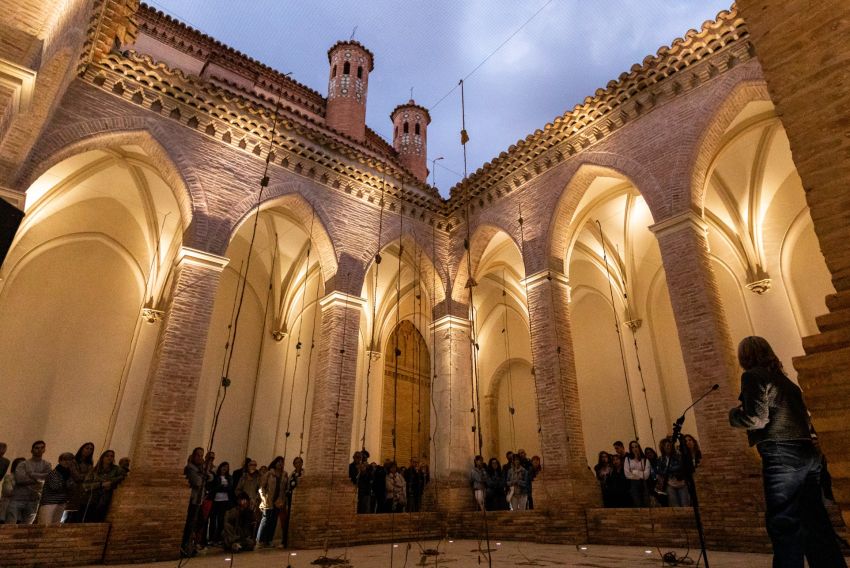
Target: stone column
{"points": [[455, 442], [324, 504], [804, 55], [566, 486], [149, 508], [728, 486]]}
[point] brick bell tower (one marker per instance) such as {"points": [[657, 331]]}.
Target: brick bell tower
{"points": [[410, 136], [350, 64]]}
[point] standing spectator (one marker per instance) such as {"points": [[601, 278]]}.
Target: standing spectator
{"points": [[652, 480], [80, 469], [237, 475], [353, 467], [603, 469], [496, 487], [670, 467], [534, 470], [223, 496], [396, 490], [478, 480], [57, 491], [777, 421], [29, 480], [523, 459], [98, 487], [636, 468], [239, 526], [295, 476], [124, 464], [364, 489], [620, 450], [8, 483], [272, 500], [4, 461], [509, 459], [694, 453], [517, 485], [195, 475], [414, 479], [379, 486], [249, 483], [618, 485]]}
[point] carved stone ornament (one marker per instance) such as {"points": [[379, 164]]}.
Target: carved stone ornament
{"points": [[760, 286], [634, 324], [151, 315], [279, 335]]}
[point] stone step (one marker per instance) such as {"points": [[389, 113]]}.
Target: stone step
{"points": [[838, 301], [817, 363], [834, 320], [827, 341]]}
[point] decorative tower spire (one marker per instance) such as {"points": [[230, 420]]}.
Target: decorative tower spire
{"points": [[410, 136], [350, 65]]}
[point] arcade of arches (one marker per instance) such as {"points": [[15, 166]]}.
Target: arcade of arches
{"points": [[601, 289]]}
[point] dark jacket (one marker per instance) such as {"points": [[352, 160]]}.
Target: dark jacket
{"points": [[772, 408]]}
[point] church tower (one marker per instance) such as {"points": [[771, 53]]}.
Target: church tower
{"points": [[410, 128], [350, 64]]}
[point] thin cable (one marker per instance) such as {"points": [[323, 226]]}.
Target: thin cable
{"points": [[506, 335], [264, 182], [397, 353], [309, 365], [492, 53], [298, 344], [617, 329], [373, 323]]}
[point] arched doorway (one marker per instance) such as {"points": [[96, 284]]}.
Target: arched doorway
{"points": [[405, 408]]}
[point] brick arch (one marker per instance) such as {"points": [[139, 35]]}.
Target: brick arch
{"points": [[582, 174], [292, 196], [410, 240], [708, 145], [170, 161], [479, 240]]}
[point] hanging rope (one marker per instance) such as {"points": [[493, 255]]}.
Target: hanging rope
{"points": [[298, 344], [397, 353], [619, 334], [262, 347], [506, 335], [476, 397], [309, 366], [264, 182], [373, 323]]}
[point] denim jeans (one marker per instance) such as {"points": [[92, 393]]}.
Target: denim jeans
{"points": [[796, 519], [268, 524]]}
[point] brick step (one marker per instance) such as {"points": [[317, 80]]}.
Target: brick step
{"points": [[838, 301], [827, 341], [834, 320], [820, 363]]}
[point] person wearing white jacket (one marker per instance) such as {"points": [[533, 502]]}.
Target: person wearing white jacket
{"points": [[637, 469]]}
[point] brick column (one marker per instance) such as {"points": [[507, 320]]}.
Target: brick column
{"points": [[149, 508], [454, 441], [566, 487], [803, 51], [324, 505], [729, 484]]}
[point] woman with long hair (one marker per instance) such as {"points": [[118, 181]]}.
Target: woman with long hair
{"points": [[223, 496], [775, 416], [603, 469], [98, 487], [80, 469], [496, 487], [636, 468], [272, 501]]}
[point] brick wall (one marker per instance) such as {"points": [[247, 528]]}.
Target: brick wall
{"points": [[44, 546]]}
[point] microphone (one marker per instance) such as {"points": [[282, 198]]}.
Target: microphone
{"points": [[681, 419]]}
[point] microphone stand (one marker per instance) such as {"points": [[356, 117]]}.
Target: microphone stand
{"points": [[688, 468]]}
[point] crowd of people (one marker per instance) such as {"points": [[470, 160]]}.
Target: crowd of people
{"points": [[387, 488], [238, 510], [639, 476], [77, 490], [507, 487]]}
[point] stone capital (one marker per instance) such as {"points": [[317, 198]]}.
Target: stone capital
{"points": [[342, 300], [553, 276], [195, 257], [687, 220], [446, 322], [16, 198]]}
